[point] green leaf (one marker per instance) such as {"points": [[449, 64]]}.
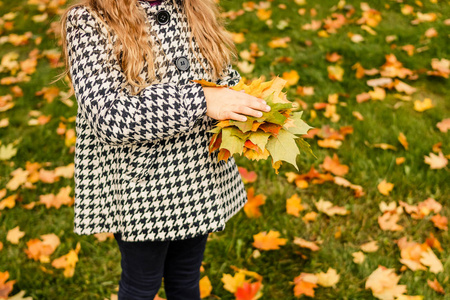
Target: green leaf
{"points": [[305, 146], [215, 130], [300, 126], [236, 132], [260, 139], [231, 142], [243, 126], [283, 147]]}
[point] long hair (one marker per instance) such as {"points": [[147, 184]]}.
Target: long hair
{"points": [[126, 20]]}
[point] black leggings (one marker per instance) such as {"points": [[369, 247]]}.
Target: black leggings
{"points": [[145, 263]]}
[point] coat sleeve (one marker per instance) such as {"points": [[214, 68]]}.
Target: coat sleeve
{"points": [[116, 116], [232, 77]]}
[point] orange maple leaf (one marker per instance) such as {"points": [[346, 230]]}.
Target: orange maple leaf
{"points": [[251, 207], [268, 241]]}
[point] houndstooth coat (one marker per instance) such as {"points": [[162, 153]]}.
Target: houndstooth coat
{"points": [[142, 165]]}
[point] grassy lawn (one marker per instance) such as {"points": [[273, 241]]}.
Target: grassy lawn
{"points": [[98, 268]]}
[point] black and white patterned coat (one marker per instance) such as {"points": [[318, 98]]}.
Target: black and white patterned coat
{"points": [[142, 165]]}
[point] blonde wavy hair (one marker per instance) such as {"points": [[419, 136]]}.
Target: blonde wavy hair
{"points": [[126, 19]]}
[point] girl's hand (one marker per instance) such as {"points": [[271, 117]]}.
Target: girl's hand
{"points": [[223, 103]]}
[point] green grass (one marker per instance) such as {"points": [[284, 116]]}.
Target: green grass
{"points": [[98, 269]]}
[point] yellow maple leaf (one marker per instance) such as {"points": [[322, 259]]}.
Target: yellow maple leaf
{"points": [[421, 106], [205, 287], [335, 73], [231, 283], [330, 278], [385, 187], [68, 261], [291, 77], [293, 206]]}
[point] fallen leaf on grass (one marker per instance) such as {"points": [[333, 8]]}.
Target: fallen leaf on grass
{"points": [[279, 42], [231, 283], [358, 257], [20, 296], [68, 261], [444, 125], [251, 207], [6, 287], [309, 217], [329, 143], [328, 279], [440, 222], [205, 287], [402, 140], [385, 187], [435, 285], [268, 241], [369, 246], [249, 291], [103, 236], [14, 235], [436, 161], [335, 73], [7, 151], [19, 177], [384, 284], [294, 206], [399, 160], [62, 198], [421, 106], [8, 202], [388, 221], [305, 284], [440, 68], [41, 250], [291, 77], [333, 165], [429, 259], [329, 209], [306, 244]]}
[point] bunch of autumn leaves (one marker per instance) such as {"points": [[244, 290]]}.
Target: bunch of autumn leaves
{"points": [[274, 134]]}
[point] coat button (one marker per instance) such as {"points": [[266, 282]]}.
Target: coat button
{"points": [[182, 63], [162, 17]]}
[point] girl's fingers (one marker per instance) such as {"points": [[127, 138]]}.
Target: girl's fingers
{"points": [[245, 110], [237, 117], [258, 104]]}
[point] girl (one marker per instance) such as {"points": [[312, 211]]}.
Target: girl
{"points": [[142, 166]]}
